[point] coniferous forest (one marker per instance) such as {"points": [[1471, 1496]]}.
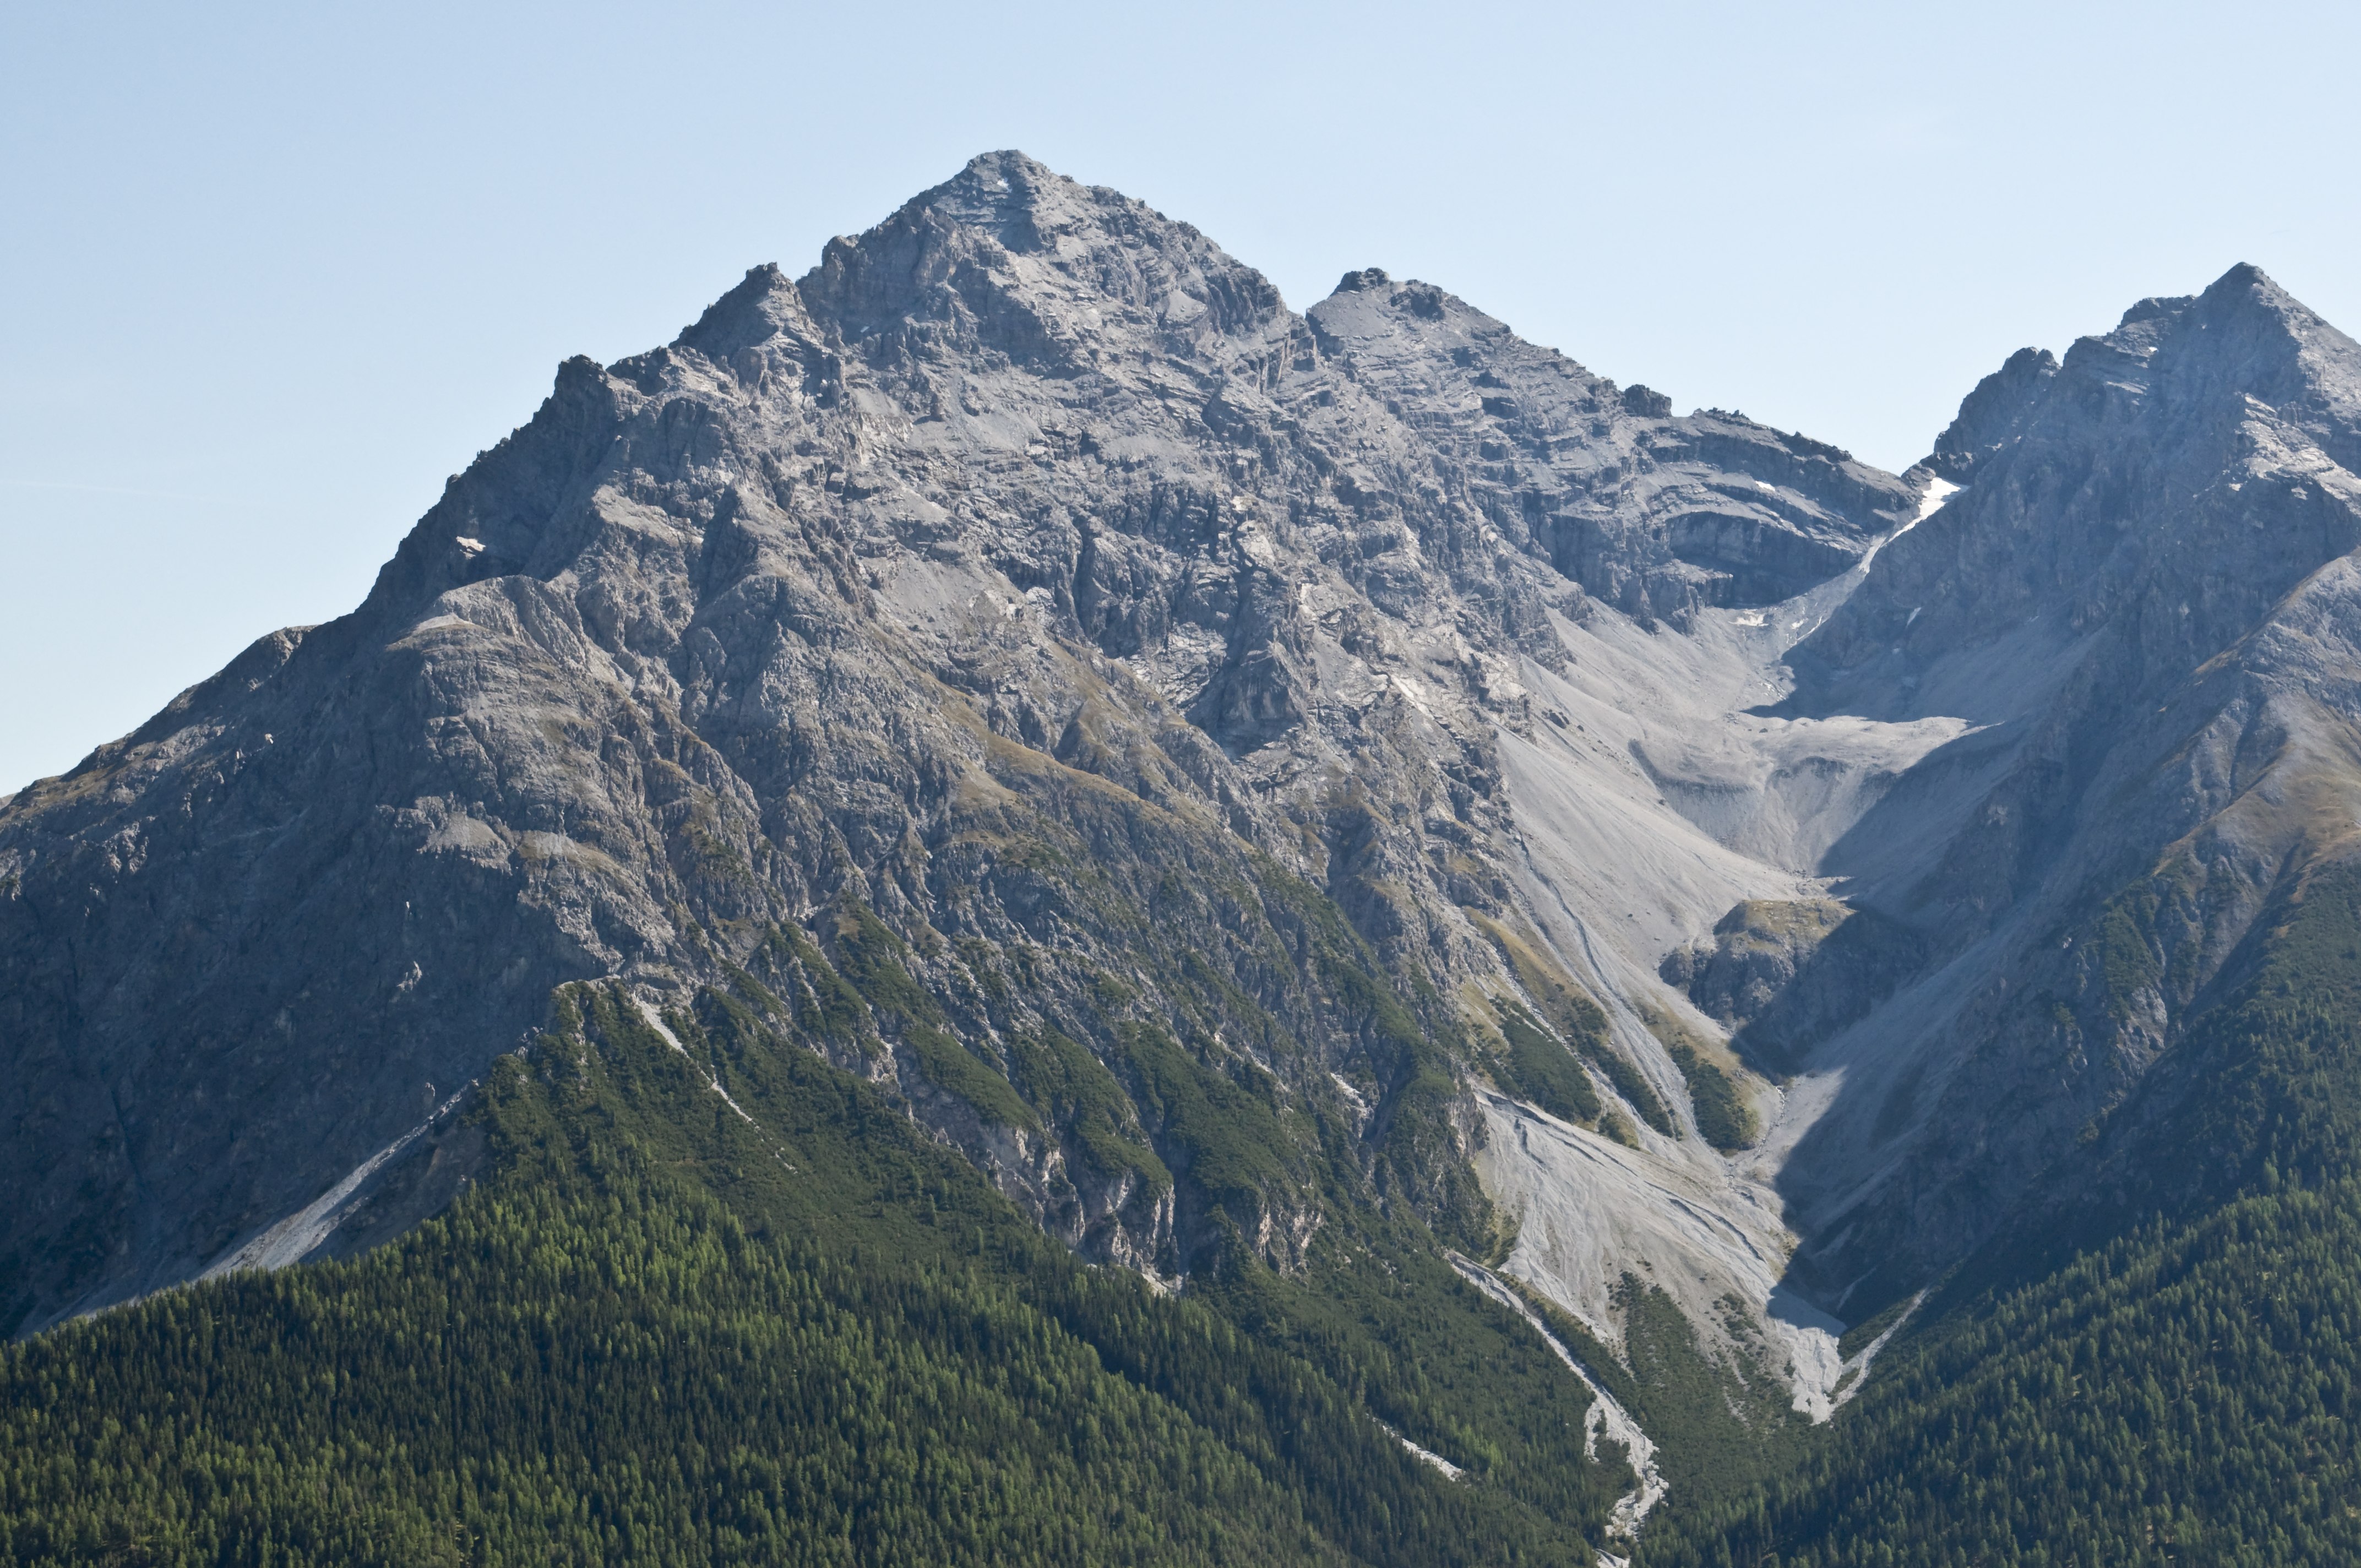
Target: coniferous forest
{"points": [[2163, 1371], [1016, 904], [665, 1333], [785, 1326]]}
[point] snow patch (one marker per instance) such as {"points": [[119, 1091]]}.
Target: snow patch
{"points": [[1937, 492]]}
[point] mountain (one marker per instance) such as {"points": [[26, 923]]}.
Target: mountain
{"points": [[2085, 1079], [2142, 601], [1611, 948], [1025, 551]]}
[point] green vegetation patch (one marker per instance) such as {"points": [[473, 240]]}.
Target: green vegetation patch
{"points": [[1074, 1089], [873, 956], [2128, 961], [1635, 1089], [1723, 1117], [665, 1332], [951, 1066], [1230, 1142], [1720, 1420], [1579, 1018], [2188, 1394], [1544, 1071], [824, 1005]]}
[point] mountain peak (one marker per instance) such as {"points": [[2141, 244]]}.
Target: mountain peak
{"points": [[994, 187], [763, 304], [2245, 277], [1012, 256], [2197, 427], [1009, 173], [2245, 292], [2250, 303]]}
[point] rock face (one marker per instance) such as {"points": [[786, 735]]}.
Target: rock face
{"points": [[1782, 976], [2144, 598], [1213, 764], [1993, 417], [1655, 515], [1025, 580]]}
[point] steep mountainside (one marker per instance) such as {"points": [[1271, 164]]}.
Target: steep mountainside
{"points": [[783, 1327], [1023, 556], [2117, 1095], [2144, 599], [1349, 801], [2157, 1362]]}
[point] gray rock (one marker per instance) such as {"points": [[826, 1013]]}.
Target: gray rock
{"points": [[1026, 551], [2146, 595], [1994, 416], [1782, 976], [1243, 696]]}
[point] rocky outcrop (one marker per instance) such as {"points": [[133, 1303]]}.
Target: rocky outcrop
{"points": [[1024, 579], [1161, 737], [1783, 975]]}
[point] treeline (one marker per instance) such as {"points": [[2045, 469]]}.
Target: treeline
{"points": [[2159, 1364], [2185, 1394], [663, 1334]]}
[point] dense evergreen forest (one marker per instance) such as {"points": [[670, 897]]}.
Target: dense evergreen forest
{"points": [[667, 1333], [2185, 1394], [2160, 1364], [722, 1301]]}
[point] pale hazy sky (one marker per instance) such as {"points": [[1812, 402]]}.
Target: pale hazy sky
{"points": [[271, 273]]}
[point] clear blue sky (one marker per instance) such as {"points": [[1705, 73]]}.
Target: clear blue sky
{"points": [[271, 273]]}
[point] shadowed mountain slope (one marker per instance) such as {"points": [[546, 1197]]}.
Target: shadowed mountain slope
{"points": [[1025, 610], [2144, 599], [1351, 795]]}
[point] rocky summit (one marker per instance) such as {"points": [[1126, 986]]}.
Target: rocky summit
{"points": [[1238, 777]]}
